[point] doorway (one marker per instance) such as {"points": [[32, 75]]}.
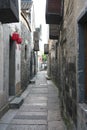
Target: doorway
{"points": [[12, 68], [85, 46], [82, 57]]}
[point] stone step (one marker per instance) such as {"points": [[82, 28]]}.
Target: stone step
{"points": [[16, 103], [32, 81]]}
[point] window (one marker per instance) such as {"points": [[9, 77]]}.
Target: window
{"points": [[56, 53], [25, 52]]}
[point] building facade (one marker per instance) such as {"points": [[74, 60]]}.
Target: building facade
{"points": [[70, 58], [26, 47], [16, 49], [9, 75]]}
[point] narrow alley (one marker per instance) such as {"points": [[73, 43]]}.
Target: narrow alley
{"points": [[40, 110], [43, 64]]}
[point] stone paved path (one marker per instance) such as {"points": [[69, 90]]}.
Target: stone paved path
{"points": [[40, 110]]}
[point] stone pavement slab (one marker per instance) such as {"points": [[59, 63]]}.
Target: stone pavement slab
{"points": [[55, 125], [37, 103], [53, 100], [39, 94], [26, 127], [28, 122], [6, 119], [39, 90], [52, 95], [54, 115], [40, 109], [33, 101], [33, 109], [3, 126], [33, 113], [37, 98]]}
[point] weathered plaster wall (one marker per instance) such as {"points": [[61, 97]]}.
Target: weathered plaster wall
{"points": [[25, 58], [4, 65]]}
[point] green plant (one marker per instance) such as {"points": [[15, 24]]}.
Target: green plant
{"points": [[44, 57]]}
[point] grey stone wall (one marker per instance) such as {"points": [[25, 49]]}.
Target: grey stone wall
{"points": [[53, 61], [64, 70], [71, 66], [68, 67], [25, 58], [33, 63], [81, 10]]}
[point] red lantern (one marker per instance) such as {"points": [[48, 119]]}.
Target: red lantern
{"points": [[15, 36], [19, 40]]}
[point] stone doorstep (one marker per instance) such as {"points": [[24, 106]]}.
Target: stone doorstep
{"points": [[32, 81], [16, 103]]}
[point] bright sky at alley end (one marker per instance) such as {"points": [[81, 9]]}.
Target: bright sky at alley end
{"points": [[39, 6]]}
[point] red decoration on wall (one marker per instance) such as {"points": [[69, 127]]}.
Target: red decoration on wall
{"points": [[15, 37], [19, 40]]}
